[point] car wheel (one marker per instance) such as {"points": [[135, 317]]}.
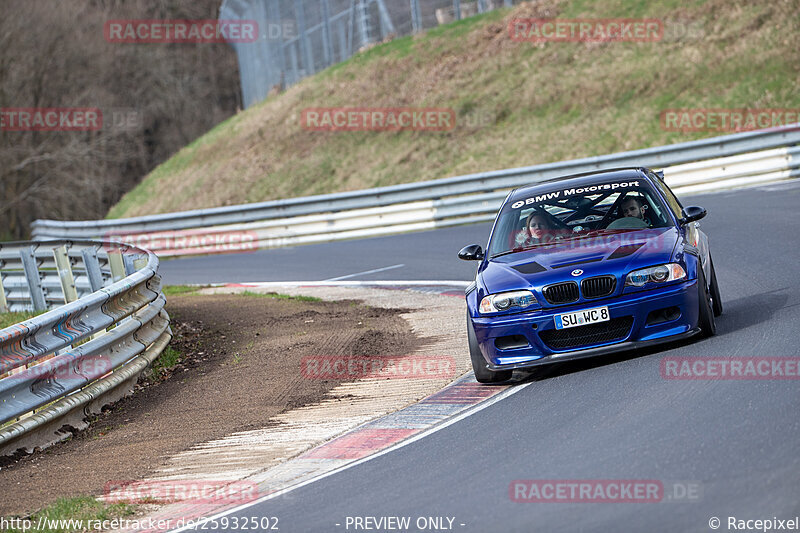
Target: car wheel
{"points": [[706, 318], [482, 374], [716, 298]]}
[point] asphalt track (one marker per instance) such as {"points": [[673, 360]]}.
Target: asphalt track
{"points": [[735, 444]]}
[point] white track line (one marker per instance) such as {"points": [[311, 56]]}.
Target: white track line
{"points": [[396, 283], [366, 272], [480, 407]]}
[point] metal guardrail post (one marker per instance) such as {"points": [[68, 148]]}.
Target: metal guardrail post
{"points": [[127, 261], [93, 271], [139, 264], [116, 264], [65, 275], [3, 301], [63, 365], [34, 279]]}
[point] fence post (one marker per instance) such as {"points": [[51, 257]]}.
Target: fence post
{"points": [[304, 40], [327, 42], [293, 59], [457, 9], [416, 17], [481, 6], [34, 279], [386, 20], [352, 34], [363, 23], [273, 16], [65, 273], [343, 39]]}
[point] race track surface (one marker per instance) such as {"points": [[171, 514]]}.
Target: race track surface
{"points": [[733, 443]]}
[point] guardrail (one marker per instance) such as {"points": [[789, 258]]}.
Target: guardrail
{"points": [[103, 323], [719, 162]]}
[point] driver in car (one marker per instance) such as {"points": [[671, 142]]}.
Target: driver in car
{"points": [[635, 207]]}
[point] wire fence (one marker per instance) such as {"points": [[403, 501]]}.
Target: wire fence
{"points": [[297, 38]]}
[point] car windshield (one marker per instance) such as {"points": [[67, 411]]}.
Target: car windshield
{"points": [[560, 214]]}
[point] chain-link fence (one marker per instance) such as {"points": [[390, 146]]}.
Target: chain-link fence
{"points": [[297, 38]]}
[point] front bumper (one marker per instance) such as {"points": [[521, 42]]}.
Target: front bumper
{"points": [[530, 348]]}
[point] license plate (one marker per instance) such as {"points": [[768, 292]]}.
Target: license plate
{"points": [[581, 318]]}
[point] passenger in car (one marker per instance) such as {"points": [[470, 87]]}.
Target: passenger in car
{"points": [[538, 229]]}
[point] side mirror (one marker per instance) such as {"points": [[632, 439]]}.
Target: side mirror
{"points": [[473, 252], [692, 214]]}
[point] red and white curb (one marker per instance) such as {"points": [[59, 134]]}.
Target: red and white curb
{"points": [[458, 400]]}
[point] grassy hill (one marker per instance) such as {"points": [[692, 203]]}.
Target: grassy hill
{"points": [[516, 103]]}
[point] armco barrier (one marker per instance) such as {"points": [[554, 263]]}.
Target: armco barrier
{"points": [[708, 164], [85, 350]]}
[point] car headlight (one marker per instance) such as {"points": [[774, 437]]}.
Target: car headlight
{"points": [[656, 274], [495, 303]]}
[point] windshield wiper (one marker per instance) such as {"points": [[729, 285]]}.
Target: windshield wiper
{"points": [[598, 233], [573, 237]]}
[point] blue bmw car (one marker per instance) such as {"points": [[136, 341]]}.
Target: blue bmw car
{"points": [[586, 265]]}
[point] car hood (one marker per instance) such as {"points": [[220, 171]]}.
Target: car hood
{"points": [[615, 254]]}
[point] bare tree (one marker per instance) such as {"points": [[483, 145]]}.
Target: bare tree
{"points": [[54, 54]]}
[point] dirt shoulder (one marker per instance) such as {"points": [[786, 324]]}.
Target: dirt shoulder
{"points": [[240, 367]]}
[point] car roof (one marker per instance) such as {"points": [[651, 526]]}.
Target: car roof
{"points": [[579, 180]]}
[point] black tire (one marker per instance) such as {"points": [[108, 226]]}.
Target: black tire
{"points": [[705, 320], [482, 374], [716, 298]]}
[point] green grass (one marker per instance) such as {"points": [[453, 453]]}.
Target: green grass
{"points": [[81, 509], [9, 319], [277, 296], [173, 290], [164, 362], [535, 104]]}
